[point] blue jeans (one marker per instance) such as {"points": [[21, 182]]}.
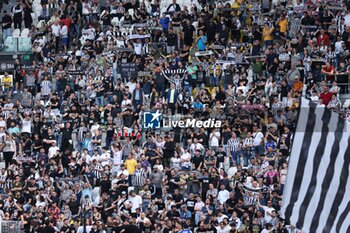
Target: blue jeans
{"points": [[247, 154], [100, 101], [6, 33], [236, 156], [59, 140], [197, 217], [145, 205], [215, 81], [188, 88], [80, 146], [259, 149]]}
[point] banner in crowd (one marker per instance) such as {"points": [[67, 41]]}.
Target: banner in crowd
{"points": [[75, 72], [128, 70], [71, 179], [136, 36], [204, 53], [144, 73], [316, 195], [23, 159], [251, 195]]}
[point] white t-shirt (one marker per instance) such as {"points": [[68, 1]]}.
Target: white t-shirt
{"points": [[175, 162], [56, 29], [136, 202], [215, 136], [131, 86], [258, 137], [347, 20], [138, 48], [93, 128], [186, 156], [52, 151], [223, 196], [26, 126], [268, 209], [339, 47], [105, 159], [195, 147], [117, 161]]}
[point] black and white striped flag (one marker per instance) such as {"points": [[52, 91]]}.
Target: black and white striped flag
{"points": [[316, 197], [174, 71]]}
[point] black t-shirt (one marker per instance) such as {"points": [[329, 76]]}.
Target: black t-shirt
{"points": [[231, 203], [105, 186], [220, 157], [6, 19], [205, 184], [197, 160], [37, 143], [188, 32], [173, 186], [66, 134], [171, 39], [74, 207], [169, 149], [122, 188], [46, 145], [190, 205], [53, 103], [184, 55], [177, 198], [173, 214]]}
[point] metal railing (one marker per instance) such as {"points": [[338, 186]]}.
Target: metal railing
{"points": [[11, 226]]}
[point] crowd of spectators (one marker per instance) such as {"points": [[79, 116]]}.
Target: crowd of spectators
{"points": [[78, 157]]}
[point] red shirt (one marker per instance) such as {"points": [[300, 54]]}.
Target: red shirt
{"points": [[66, 22], [326, 97], [329, 70], [324, 38]]}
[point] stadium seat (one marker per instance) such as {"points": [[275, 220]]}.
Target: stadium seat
{"points": [[25, 44], [16, 33], [25, 33], [9, 44]]}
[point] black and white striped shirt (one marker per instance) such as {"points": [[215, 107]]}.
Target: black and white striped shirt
{"points": [[97, 170], [234, 144], [248, 142], [139, 177]]}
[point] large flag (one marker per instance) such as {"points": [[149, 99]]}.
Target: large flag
{"points": [[317, 193]]}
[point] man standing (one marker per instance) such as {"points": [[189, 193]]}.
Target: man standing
{"points": [[17, 12], [234, 145], [137, 97], [6, 25], [202, 40], [188, 33], [172, 98], [174, 7], [171, 41], [139, 178]]}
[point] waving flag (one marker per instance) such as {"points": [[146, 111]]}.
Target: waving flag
{"points": [[317, 193]]}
